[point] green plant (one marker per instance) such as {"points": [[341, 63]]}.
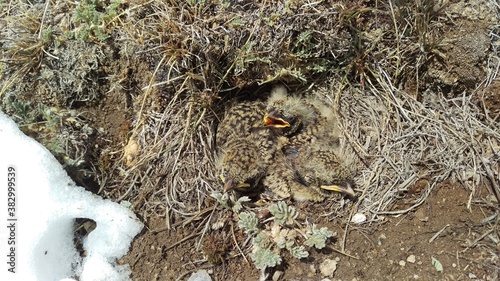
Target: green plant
{"points": [[224, 200], [93, 21], [317, 237], [248, 222], [238, 205], [299, 252], [281, 232], [283, 214], [264, 258], [221, 198]]}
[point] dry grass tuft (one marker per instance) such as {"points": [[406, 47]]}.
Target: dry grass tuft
{"points": [[409, 147]]}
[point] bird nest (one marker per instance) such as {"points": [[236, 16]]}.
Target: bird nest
{"points": [[401, 148]]}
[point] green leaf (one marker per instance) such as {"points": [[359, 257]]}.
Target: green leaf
{"points": [[299, 252], [437, 264], [248, 222], [238, 204], [222, 198], [317, 237], [264, 258], [283, 214]]}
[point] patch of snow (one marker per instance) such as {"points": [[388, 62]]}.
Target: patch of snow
{"points": [[36, 235]]}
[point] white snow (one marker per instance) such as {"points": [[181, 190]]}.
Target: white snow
{"points": [[47, 202]]}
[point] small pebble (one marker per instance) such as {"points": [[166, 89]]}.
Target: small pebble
{"points": [[328, 267], [358, 218], [402, 263], [381, 239], [277, 274], [200, 275], [411, 259]]}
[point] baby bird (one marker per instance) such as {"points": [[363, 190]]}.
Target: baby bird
{"points": [[301, 119], [286, 114], [319, 168], [240, 166], [282, 181], [312, 132], [239, 120], [245, 146]]}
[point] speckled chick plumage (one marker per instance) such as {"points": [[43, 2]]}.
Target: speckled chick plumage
{"points": [[239, 121], [241, 166], [309, 118], [283, 182], [312, 136], [245, 146], [320, 168]]}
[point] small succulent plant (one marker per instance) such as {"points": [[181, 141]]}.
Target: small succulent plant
{"points": [[281, 232]]}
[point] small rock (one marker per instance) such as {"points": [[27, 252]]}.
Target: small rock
{"points": [[312, 271], [411, 259], [472, 276], [200, 275], [421, 215], [358, 218], [402, 263], [381, 239], [277, 274], [328, 267]]}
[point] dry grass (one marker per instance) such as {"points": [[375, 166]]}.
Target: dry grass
{"points": [[402, 141]]}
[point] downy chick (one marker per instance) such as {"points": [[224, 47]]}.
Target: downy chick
{"points": [[240, 166], [319, 168], [239, 120], [302, 119]]}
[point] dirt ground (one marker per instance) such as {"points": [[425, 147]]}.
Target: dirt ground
{"points": [[398, 249]]}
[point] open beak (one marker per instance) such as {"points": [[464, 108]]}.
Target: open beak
{"points": [[270, 121], [344, 190], [229, 185]]}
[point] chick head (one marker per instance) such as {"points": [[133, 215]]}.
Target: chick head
{"points": [[321, 169], [287, 113]]}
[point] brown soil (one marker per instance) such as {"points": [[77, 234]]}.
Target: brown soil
{"points": [[379, 252]]}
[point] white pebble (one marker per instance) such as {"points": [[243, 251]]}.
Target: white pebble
{"points": [[328, 267], [358, 218], [402, 263], [411, 259], [200, 275]]}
